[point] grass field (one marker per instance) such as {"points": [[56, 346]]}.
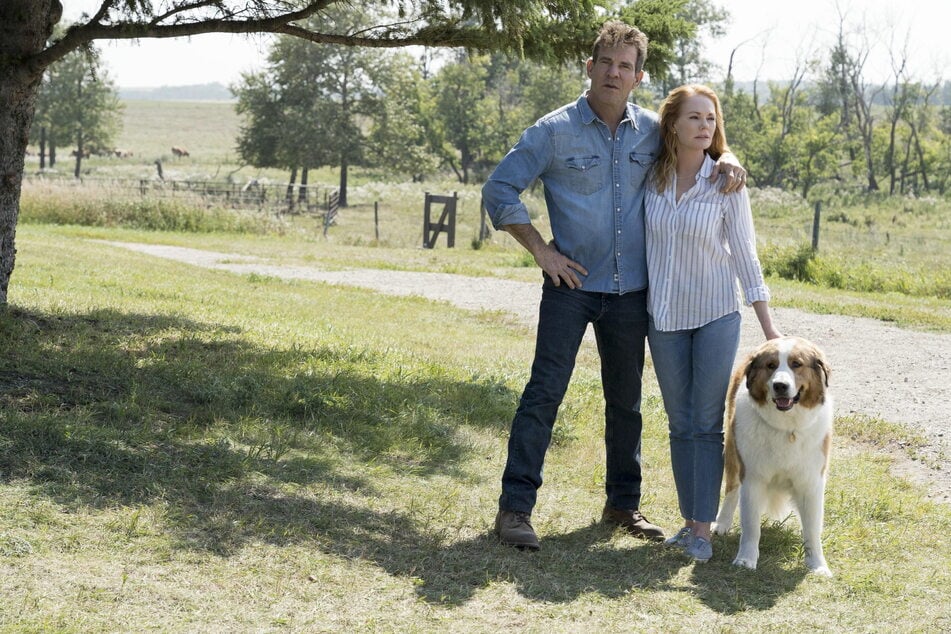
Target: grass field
{"points": [[188, 450]]}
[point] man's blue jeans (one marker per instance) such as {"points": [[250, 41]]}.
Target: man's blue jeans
{"points": [[693, 370], [620, 327]]}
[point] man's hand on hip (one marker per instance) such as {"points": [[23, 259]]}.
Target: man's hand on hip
{"points": [[558, 267]]}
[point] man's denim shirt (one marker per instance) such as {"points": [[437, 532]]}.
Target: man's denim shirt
{"points": [[594, 189]]}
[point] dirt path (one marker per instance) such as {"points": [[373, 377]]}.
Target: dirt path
{"points": [[878, 370]]}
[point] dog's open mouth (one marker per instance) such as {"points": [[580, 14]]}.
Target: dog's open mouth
{"points": [[786, 404]]}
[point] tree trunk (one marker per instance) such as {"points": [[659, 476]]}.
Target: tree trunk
{"points": [[25, 25], [80, 150], [43, 148], [344, 169], [289, 194], [302, 197]]}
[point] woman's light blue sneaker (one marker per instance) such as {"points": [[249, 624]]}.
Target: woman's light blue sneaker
{"points": [[680, 540], [700, 549]]}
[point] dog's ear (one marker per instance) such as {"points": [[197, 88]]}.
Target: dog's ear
{"points": [[749, 368], [822, 367], [748, 371], [820, 364]]}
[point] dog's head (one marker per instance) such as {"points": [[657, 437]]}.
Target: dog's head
{"points": [[787, 372]]}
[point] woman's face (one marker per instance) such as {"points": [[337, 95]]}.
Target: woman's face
{"points": [[696, 123]]}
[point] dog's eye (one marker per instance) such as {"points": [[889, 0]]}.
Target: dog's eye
{"points": [[772, 365], [795, 365]]}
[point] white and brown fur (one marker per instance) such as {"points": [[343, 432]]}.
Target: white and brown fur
{"points": [[778, 437]]}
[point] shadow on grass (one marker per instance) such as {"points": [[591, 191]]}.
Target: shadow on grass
{"points": [[109, 409], [113, 409], [586, 561]]}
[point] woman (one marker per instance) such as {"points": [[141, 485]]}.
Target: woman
{"points": [[699, 242]]}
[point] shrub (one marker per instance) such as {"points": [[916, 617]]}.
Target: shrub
{"points": [[155, 214]]}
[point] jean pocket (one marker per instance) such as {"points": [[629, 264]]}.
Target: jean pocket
{"points": [[584, 174], [641, 163]]}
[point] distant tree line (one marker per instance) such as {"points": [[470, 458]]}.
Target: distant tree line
{"points": [[336, 106], [411, 117], [408, 116]]}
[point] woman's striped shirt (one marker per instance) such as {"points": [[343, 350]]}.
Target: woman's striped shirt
{"points": [[697, 249]]}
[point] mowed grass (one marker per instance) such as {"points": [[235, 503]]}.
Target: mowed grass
{"points": [[207, 129], [190, 450]]}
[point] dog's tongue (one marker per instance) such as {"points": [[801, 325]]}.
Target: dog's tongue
{"points": [[783, 404]]}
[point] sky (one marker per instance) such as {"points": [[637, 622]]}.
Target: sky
{"points": [[769, 36]]}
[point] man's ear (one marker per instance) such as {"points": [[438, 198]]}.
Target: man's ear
{"points": [[639, 76], [588, 66]]}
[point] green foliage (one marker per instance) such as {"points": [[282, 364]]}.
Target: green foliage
{"points": [[689, 63], [836, 271], [77, 106], [303, 110], [398, 139], [665, 24], [145, 213]]}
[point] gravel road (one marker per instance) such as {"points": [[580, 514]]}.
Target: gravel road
{"points": [[878, 370]]}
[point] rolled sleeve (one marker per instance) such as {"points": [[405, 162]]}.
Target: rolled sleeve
{"points": [[509, 215], [757, 294]]}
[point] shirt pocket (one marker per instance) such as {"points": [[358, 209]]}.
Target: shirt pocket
{"points": [[584, 174], [641, 163]]}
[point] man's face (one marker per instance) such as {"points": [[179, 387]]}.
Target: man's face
{"points": [[613, 76]]}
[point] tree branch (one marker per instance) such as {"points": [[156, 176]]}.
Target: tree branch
{"points": [[81, 34]]}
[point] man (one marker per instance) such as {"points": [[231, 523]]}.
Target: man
{"points": [[592, 156]]}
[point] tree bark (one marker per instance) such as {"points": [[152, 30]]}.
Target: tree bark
{"points": [[43, 148], [289, 194], [25, 25], [344, 169]]}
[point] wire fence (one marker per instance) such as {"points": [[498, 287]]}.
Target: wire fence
{"points": [[264, 196]]}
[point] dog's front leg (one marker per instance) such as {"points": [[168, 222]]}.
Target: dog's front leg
{"points": [[752, 504], [727, 510], [811, 510]]}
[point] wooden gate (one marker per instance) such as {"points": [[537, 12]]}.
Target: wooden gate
{"points": [[447, 221]]}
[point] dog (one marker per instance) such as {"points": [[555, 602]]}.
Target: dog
{"points": [[777, 441]]}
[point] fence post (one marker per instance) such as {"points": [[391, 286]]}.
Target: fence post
{"points": [[815, 226], [376, 220], [333, 203]]}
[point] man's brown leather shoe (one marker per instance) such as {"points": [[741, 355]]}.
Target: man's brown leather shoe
{"points": [[515, 529], [633, 522]]}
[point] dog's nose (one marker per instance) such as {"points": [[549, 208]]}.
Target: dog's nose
{"points": [[780, 387]]}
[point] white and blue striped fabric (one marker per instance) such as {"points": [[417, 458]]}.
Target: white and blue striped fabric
{"points": [[697, 249]]}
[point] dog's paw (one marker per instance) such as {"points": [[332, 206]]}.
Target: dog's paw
{"points": [[820, 569], [721, 529], [745, 563]]}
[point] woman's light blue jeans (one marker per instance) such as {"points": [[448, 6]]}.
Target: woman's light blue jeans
{"points": [[693, 370]]}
